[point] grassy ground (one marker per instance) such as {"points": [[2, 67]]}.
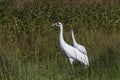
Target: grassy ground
{"points": [[29, 46]]}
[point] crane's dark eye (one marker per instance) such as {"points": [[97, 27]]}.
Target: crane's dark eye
{"points": [[58, 23]]}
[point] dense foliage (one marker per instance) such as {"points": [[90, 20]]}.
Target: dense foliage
{"points": [[29, 46]]}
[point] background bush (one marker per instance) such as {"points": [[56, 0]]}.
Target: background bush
{"points": [[29, 46]]}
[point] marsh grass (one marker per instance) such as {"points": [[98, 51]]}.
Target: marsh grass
{"points": [[29, 46]]}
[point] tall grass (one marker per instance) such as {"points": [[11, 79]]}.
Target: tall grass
{"points": [[29, 46]]}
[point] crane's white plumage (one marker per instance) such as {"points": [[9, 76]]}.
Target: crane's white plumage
{"points": [[81, 48], [71, 52]]}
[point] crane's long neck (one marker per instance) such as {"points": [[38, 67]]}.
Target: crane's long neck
{"points": [[61, 35], [73, 38]]}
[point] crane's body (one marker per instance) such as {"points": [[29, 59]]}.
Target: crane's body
{"points": [[81, 48], [71, 52]]}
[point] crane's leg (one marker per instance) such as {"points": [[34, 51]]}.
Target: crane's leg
{"points": [[89, 71], [71, 61], [71, 67]]}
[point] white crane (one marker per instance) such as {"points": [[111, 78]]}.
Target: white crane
{"points": [[71, 52], [81, 48]]}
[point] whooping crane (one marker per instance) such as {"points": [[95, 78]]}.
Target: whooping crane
{"points": [[71, 52], [81, 48]]}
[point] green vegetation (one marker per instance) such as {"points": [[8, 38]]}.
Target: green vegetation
{"points": [[29, 46]]}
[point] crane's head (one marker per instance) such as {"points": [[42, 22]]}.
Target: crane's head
{"points": [[57, 24], [71, 30]]}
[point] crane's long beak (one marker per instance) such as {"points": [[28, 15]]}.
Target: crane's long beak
{"points": [[53, 24]]}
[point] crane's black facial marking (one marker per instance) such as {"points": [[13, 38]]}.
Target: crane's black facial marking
{"points": [[58, 23], [71, 29]]}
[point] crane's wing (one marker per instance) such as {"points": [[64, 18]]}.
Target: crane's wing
{"points": [[81, 48]]}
